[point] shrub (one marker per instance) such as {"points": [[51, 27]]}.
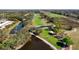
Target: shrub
{"points": [[68, 40]]}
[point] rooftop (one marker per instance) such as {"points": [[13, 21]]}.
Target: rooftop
{"points": [[4, 23]]}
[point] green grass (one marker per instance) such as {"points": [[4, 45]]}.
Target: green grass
{"points": [[37, 20], [54, 15], [49, 38]]}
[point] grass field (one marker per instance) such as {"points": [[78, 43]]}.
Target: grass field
{"points": [[54, 15], [49, 38], [37, 21]]}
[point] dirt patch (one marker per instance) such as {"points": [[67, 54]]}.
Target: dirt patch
{"points": [[68, 22], [75, 37]]}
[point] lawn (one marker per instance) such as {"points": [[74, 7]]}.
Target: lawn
{"points": [[49, 38], [37, 20]]}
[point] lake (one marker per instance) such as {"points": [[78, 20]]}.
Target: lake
{"points": [[36, 44]]}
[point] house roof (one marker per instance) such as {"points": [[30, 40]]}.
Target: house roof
{"points": [[4, 23]]}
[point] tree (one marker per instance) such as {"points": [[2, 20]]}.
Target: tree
{"points": [[58, 24], [68, 40]]}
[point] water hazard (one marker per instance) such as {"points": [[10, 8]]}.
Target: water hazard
{"points": [[36, 44]]}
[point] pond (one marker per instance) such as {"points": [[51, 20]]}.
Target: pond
{"points": [[18, 28], [36, 44]]}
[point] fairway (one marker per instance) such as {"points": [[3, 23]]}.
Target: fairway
{"points": [[49, 14], [49, 38], [37, 20]]}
